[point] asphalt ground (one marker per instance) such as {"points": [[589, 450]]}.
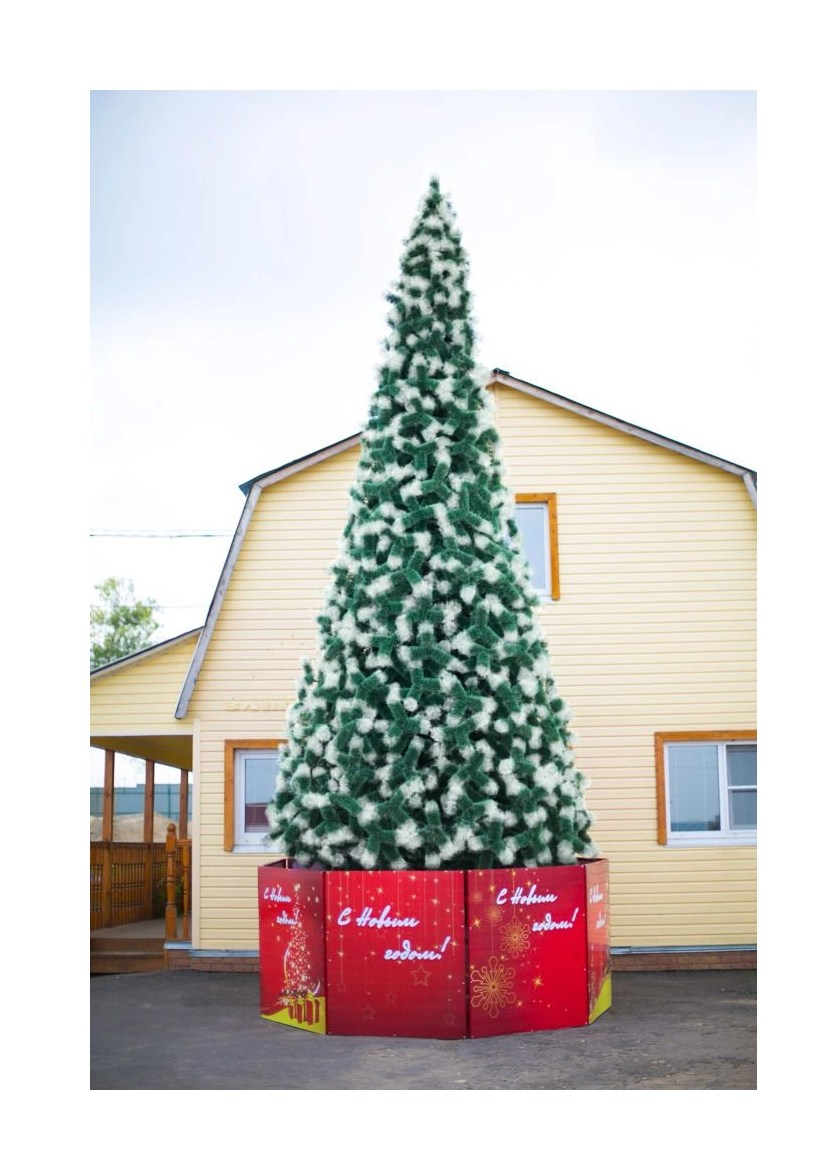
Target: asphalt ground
{"points": [[190, 1030]]}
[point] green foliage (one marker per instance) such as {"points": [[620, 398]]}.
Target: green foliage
{"points": [[120, 624], [429, 733]]}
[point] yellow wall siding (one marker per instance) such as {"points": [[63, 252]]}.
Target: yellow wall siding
{"points": [[654, 631], [248, 680], [142, 696]]}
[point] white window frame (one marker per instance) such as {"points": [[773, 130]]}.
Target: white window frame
{"points": [[547, 502], [237, 840], [725, 836]]}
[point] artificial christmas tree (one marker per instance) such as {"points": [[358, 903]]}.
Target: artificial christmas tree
{"points": [[429, 736]]}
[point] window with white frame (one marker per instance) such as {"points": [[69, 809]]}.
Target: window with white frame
{"points": [[709, 790], [251, 773], [536, 520]]}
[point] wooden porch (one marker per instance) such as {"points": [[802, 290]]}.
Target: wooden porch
{"points": [[140, 892], [129, 883]]}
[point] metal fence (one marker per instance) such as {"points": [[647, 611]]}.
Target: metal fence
{"points": [[131, 800]]}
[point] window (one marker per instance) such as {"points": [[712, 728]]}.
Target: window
{"points": [[536, 520], [707, 788], [250, 774]]}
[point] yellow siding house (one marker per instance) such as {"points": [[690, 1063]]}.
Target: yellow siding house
{"points": [[643, 551]]}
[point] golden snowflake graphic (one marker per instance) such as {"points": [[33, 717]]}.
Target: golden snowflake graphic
{"points": [[492, 987], [493, 914], [515, 938]]}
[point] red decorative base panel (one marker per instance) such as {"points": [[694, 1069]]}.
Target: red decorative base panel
{"points": [[434, 954]]}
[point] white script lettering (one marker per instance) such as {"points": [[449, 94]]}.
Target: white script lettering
{"points": [[519, 898], [367, 917], [412, 955], [275, 894], [549, 923]]}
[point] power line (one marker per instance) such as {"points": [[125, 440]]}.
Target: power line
{"points": [[116, 533]]}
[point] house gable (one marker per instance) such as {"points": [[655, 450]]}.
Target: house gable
{"points": [[498, 380]]}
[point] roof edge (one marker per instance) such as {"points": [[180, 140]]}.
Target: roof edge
{"points": [[145, 653], [296, 465], [252, 488], [499, 375]]}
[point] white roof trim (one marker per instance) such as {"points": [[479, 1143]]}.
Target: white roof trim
{"points": [[215, 604], [499, 376], [750, 479], [296, 465], [255, 486]]}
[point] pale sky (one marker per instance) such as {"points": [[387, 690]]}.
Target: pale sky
{"points": [[242, 243]]}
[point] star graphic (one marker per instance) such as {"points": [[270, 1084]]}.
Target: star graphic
{"points": [[420, 977], [477, 923], [368, 1013]]}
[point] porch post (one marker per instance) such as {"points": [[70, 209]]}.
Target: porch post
{"points": [[147, 837], [147, 832], [184, 791], [107, 798], [170, 862]]}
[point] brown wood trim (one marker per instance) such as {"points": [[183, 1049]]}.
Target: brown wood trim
{"points": [[150, 800], [663, 737], [171, 923], [184, 802], [230, 747], [660, 791], [554, 548], [548, 497], [107, 797]]}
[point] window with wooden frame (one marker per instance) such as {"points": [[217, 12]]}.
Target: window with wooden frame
{"points": [[250, 776], [536, 520], [707, 788]]}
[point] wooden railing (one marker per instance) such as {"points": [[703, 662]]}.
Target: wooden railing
{"points": [[177, 854], [132, 882]]}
